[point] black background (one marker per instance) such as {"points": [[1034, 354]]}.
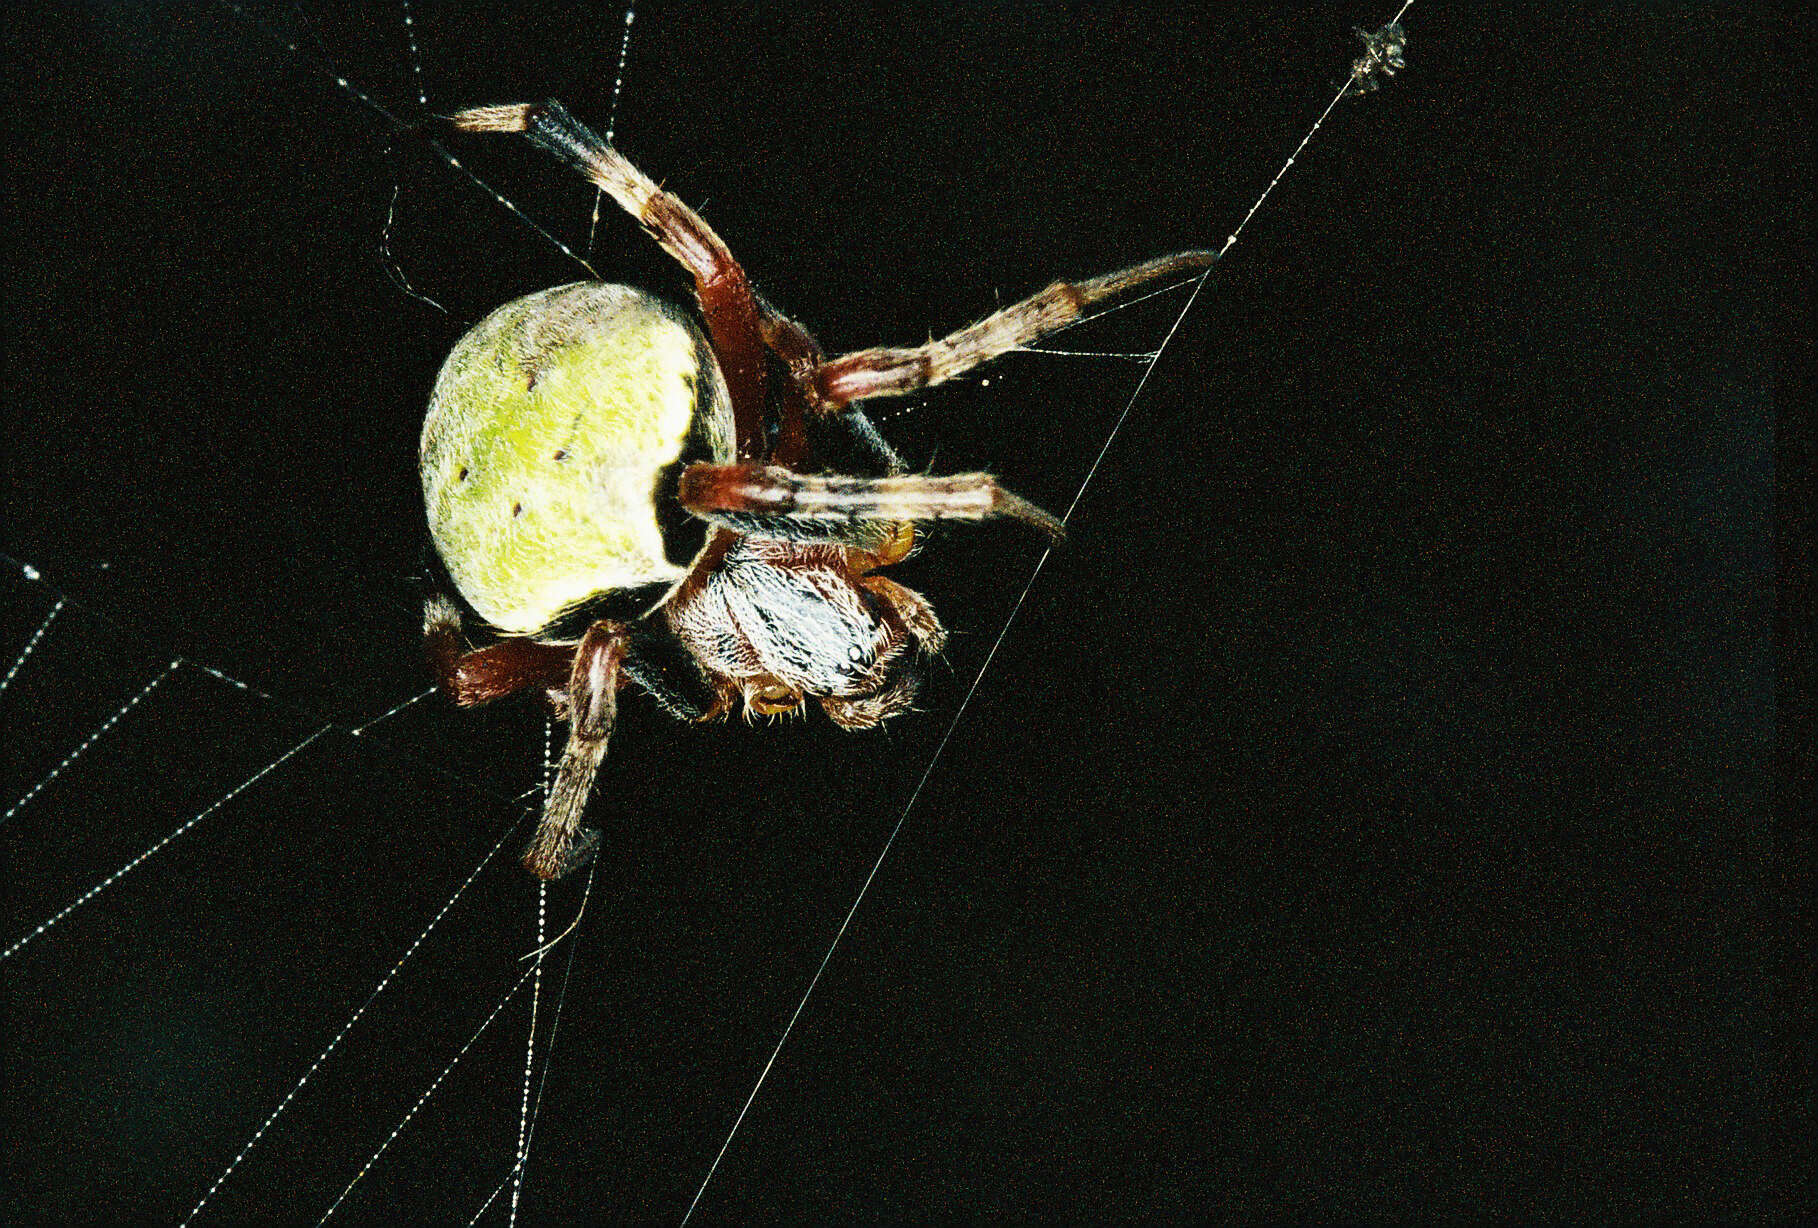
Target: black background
{"points": [[1369, 814]]}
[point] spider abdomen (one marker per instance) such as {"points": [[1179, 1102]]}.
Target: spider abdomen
{"points": [[553, 429]]}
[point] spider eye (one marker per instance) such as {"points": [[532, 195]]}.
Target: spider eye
{"points": [[857, 655]]}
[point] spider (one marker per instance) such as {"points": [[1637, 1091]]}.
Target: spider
{"points": [[622, 496], [1381, 58]]}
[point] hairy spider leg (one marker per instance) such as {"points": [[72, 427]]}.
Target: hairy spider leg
{"points": [[479, 676], [763, 496], [593, 706], [736, 319], [895, 371], [582, 682], [774, 502], [742, 325]]}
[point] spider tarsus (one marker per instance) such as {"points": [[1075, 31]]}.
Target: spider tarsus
{"points": [[1015, 507], [541, 859], [1112, 284], [549, 848]]}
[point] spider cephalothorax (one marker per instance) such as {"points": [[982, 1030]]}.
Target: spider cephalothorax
{"points": [[622, 497], [783, 620]]}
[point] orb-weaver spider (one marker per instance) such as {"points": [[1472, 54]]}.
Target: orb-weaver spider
{"points": [[1383, 57], [576, 435]]}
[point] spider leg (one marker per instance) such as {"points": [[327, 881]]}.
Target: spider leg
{"points": [[483, 675], [611, 653], [736, 320], [586, 680], [593, 686], [771, 501], [895, 371]]}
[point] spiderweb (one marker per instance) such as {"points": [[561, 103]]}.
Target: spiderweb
{"points": [[266, 940]]}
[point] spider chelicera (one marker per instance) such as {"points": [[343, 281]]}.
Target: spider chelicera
{"points": [[621, 497]]}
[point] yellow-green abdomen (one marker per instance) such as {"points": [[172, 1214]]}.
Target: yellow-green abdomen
{"points": [[551, 426]]}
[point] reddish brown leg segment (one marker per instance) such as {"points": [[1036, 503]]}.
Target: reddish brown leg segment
{"points": [[801, 356], [592, 708], [493, 672], [734, 315]]}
